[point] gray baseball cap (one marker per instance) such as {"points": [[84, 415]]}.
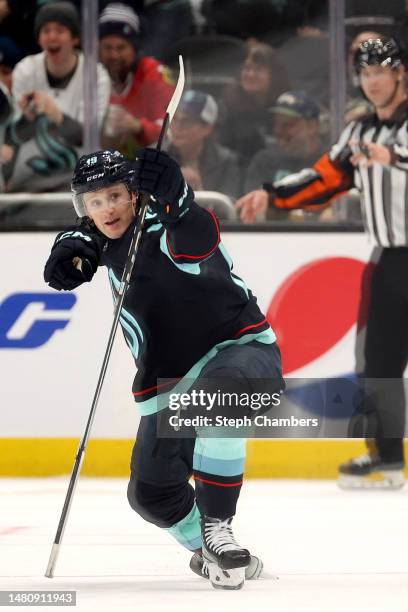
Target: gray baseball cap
{"points": [[200, 106]]}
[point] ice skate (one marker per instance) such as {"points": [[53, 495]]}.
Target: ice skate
{"points": [[226, 559], [199, 566], [369, 472]]}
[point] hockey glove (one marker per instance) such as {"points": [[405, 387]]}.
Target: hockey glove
{"points": [[159, 175], [74, 258]]}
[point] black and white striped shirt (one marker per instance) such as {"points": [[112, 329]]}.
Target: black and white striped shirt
{"points": [[383, 189]]}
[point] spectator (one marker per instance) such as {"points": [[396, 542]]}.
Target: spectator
{"points": [[141, 86], [10, 55], [261, 80], [48, 89], [297, 143], [205, 163]]}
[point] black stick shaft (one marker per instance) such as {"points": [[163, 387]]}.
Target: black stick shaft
{"points": [[130, 260]]}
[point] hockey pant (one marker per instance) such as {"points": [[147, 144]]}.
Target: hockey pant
{"points": [[159, 488]]}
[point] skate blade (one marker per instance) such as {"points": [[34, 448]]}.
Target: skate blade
{"points": [[387, 479], [230, 580]]}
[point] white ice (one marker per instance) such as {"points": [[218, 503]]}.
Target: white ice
{"points": [[331, 550]]}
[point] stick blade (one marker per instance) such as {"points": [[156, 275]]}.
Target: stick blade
{"points": [[174, 102]]}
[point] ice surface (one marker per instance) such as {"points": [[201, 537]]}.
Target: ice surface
{"points": [[332, 550]]}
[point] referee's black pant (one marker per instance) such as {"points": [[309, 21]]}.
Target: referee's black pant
{"points": [[386, 351]]}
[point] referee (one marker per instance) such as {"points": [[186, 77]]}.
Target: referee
{"points": [[372, 156]]}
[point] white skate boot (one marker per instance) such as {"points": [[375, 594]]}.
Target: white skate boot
{"points": [[226, 559], [199, 566]]}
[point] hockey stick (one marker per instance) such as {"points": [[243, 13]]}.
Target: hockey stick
{"points": [[130, 260]]}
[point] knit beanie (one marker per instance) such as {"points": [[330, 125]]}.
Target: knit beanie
{"points": [[119, 19], [63, 13]]}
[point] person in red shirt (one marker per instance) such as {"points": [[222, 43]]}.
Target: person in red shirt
{"points": [[141, 86]]}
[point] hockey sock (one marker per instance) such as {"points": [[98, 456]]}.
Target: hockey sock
{"points": [[188, 531], [218, 465]]}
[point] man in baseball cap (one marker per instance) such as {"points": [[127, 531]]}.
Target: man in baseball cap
{"points": [[295, 124], [296, 141], [206, 165], [296, 104], [141, 86], [199, 106]]}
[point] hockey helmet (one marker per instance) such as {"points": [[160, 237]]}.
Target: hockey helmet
{"points": [[380, 52], [96, 171]]}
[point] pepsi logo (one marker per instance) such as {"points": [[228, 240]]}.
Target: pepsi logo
{"points": [[317, 305]]}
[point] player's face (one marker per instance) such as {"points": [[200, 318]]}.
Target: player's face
{"points": [[117, 55], [112, 209], [57, 41], [378, 84], [255, 78], [186, 131]]}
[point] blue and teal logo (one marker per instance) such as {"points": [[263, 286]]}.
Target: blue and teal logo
{"points": [[40, 329]]}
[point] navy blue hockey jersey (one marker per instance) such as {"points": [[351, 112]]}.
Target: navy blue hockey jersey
{"points": [[184, 302]]}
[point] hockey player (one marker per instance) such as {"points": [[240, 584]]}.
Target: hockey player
{"points": [[186, 315], [371, 155]]}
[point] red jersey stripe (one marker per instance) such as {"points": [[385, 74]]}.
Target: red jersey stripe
{"points": [[250, 327], [135, 393], [204, 255]]}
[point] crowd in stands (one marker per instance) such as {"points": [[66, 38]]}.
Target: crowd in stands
{"points": [[255, 105]]}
